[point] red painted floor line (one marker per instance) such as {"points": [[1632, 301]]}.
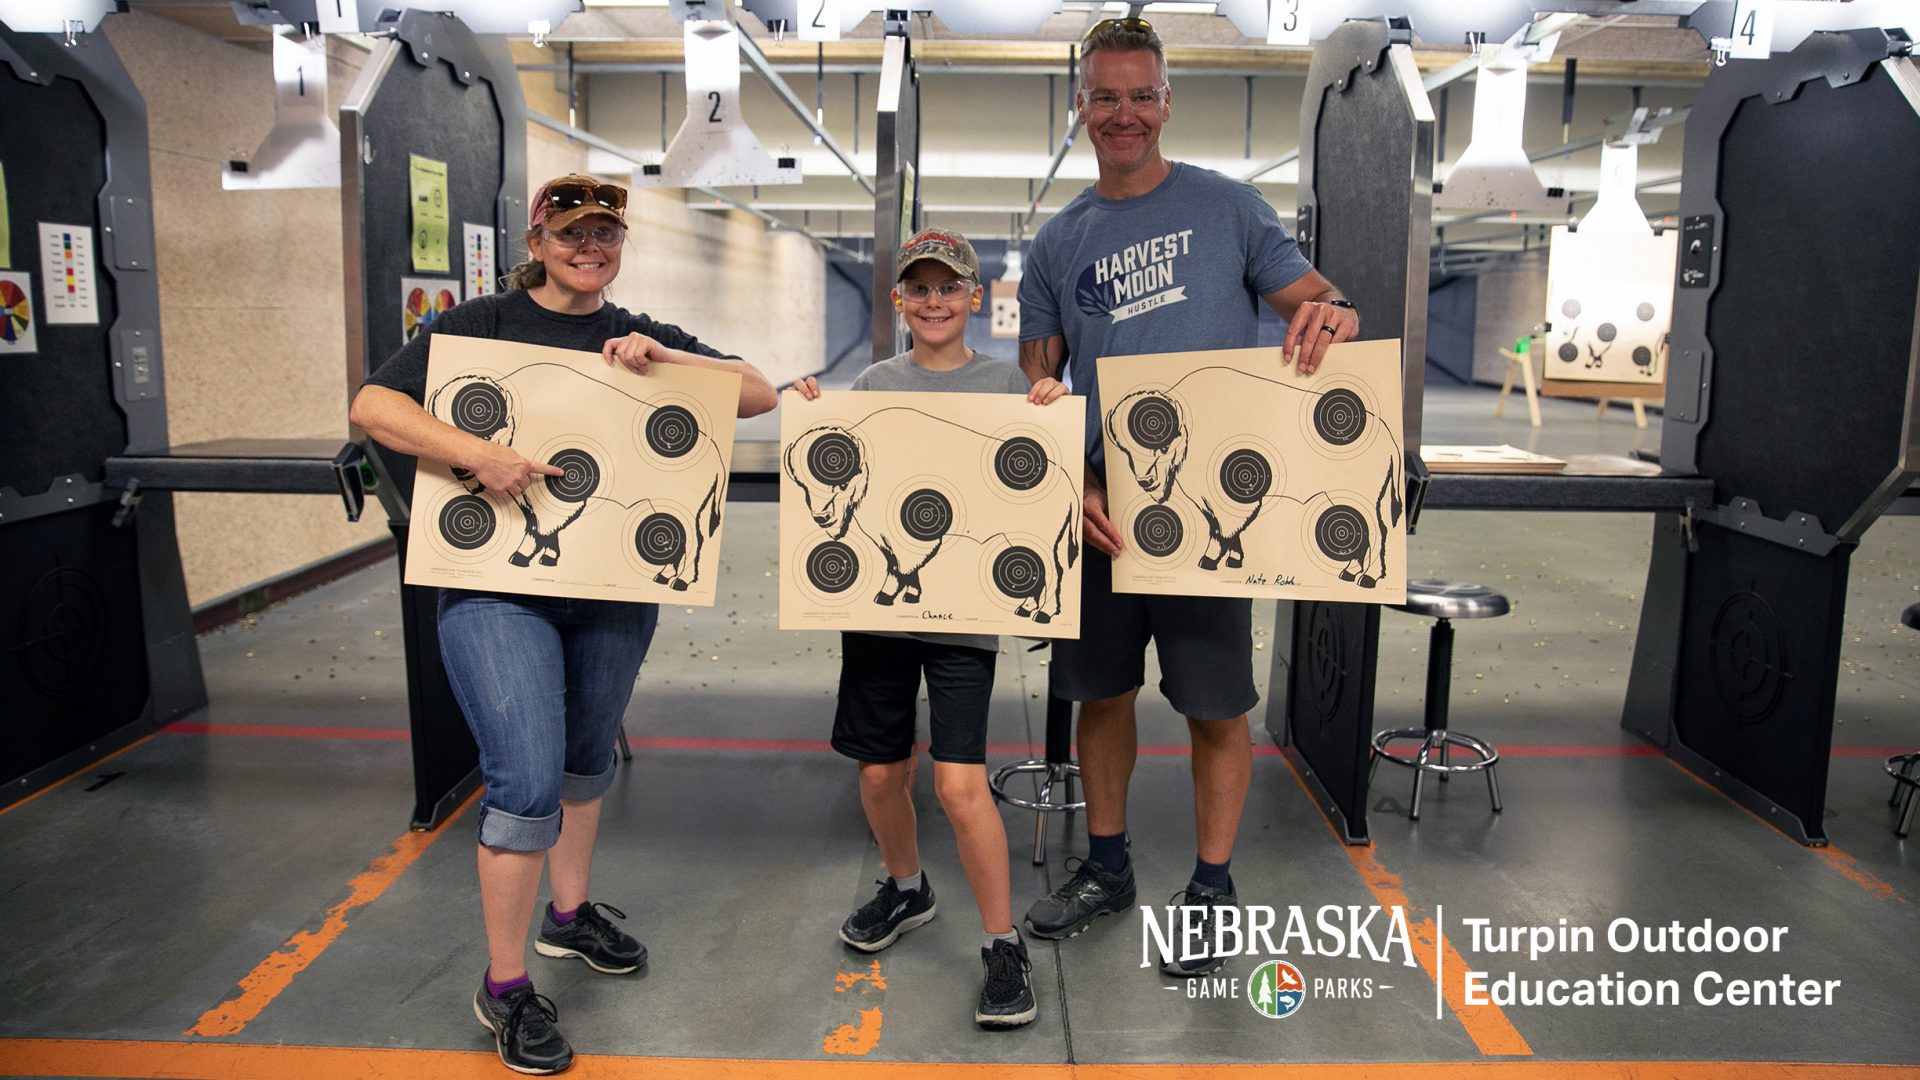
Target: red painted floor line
{"points": [[288, 731], [1005, 749]]}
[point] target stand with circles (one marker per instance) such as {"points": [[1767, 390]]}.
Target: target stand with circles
{"points": [[930, 512]]}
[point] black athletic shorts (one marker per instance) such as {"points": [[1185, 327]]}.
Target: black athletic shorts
{"points": [[1205, 645], [880, 685]]}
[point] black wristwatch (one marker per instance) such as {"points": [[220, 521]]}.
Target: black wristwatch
{"points": [[1348, 304]]}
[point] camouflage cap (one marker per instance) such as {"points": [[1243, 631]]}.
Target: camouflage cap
{"points": [[944, 246]]}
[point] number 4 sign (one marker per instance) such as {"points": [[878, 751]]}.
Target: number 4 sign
{"points": [[1287, 22], [1752, 29], [819, 20]]}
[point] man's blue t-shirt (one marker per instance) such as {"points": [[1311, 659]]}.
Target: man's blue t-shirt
{"points": [[1179, 269]]}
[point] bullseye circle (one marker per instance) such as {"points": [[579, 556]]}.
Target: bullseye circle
{"points": [[833, 459], [926, 515], [660, 539], [1340, 533], [1246, 476], [1158, 531], [1644, 312], [579, 477], [1750, 668], [832, 567], [1019, 572], [479, 409], [1569, 352], [1571, 309], [1020, 463], [1340, 416], [1642, 355], [672, 431], [467, 522], [1153, 422], [1606, 331], [62, 632]]}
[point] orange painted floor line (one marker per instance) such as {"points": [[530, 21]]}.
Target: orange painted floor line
{"points": [[1842, 863], [274, 974], [1487, 1025], [230, 1061]]}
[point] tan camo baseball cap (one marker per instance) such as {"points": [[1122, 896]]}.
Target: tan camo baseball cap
{"points": [[944, 246]]}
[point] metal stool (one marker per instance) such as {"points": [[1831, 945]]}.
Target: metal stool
{"points": [[1057, 768], [1445, 602], [1904, 767]]}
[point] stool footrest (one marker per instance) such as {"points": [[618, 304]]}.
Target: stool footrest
{"points": [[1053, 771], [1430, 741]]}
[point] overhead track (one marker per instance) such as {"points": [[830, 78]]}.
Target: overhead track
{"points": [[758, 61], [638, 158]]}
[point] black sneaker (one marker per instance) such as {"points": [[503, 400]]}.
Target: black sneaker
{"points": [[592, 937], [1006, 1001], [878, 922], [523, 1031], [1093, 891], [1209, 901]]}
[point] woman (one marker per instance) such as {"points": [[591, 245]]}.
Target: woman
{"points": [[543, 681]]}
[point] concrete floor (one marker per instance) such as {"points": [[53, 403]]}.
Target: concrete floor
{"points": [[257, 852]]}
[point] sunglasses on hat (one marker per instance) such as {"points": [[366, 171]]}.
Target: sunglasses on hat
{"points": [[1131, 25], [571, 194]]}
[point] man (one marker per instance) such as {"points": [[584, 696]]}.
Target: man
{"points": [[1156, 256]]}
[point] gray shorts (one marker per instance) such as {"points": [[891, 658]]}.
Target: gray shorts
{"points": [[1205, 644]]}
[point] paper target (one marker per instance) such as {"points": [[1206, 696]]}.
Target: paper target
{"points": [[955, 513], [1609, 303], [422, 300], [1230, 475], [624, 518]]}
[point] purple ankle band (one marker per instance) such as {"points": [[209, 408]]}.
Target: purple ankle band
{"points": [[495, 989], [563, 917]]}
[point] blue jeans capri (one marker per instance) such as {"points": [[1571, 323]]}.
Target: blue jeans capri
{"points": [[544, 683]]}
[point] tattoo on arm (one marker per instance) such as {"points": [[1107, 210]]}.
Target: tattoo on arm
{"points": [[1043, 359]]}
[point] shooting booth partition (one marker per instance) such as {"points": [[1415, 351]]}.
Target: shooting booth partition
{"points": [[896, 201], [1365, 212], [436, 90], [98, 634], [1795, 378]]}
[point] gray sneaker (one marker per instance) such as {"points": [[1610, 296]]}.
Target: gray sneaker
{"points": [[1093, 891], [523, 1031], [1209, 901], [592, 937]]}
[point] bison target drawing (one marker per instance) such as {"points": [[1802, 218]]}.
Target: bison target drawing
{"points": [[634, 513], [1230, 475], [930, 512]]}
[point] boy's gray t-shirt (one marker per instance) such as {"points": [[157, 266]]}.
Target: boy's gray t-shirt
{"points": [[1179, 269], [980, 375]]}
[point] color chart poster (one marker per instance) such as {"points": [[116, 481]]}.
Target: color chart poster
{"points": [[478, 245], [66, 262], [16, 313]]}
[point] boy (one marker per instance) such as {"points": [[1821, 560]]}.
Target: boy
{"points": [[938, 288]]}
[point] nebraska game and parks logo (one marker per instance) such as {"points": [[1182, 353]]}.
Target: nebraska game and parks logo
{"points": [[1276, 990]]}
